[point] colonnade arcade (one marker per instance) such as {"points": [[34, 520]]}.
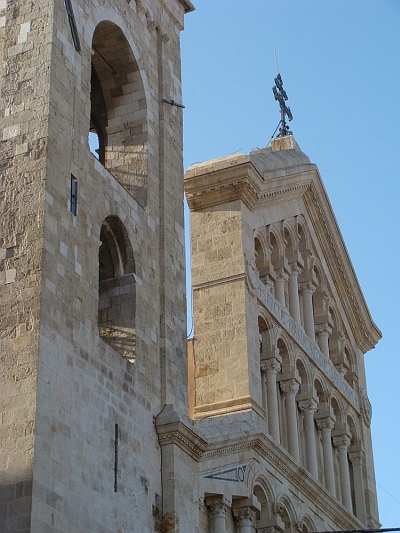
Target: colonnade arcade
{"points": [[263, 513], [292, 273], [305, 413]]}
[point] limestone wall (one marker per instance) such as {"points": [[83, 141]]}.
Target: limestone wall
{"points": [[78, 419]]}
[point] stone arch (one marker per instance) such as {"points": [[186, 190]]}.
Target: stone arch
{"points": [[350, 364], [117, 289], [321, 389], [286, 353], [306, 524], [266, 333], [261, 254], [320, 298], [335, 338], [118, 108], [337, 410], [354, 428], [304, 235], [290, 240], [285, 508], [277, 246], [304, 373], [263, 491]]}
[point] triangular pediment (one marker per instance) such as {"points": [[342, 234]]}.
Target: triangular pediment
{"points": [[282, 175]]}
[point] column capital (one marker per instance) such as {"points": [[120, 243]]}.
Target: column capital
{"points": [[218, 505], [271, 366], [356, 458], [341, 441], [290, 386], [295, 269], [281, 274], [323, 329], [308, 406], [307, 286], [244, 514], [325, 423], [268, 282]]}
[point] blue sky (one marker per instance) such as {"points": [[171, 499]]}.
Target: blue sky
{"points": [[340, 63]]}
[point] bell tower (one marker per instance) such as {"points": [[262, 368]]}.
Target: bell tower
{"points": [[92, 323]]}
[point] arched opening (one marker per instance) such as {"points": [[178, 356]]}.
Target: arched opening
{"points": [[118, 131], [98, 118], [117, 297]]}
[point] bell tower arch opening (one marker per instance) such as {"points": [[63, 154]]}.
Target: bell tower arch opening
{"points": [[118, 130], [117, 295]]}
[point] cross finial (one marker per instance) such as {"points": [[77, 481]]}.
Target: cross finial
{"points": [[281, 96]]}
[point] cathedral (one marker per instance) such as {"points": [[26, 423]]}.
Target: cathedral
{"points": [[111, 421]]}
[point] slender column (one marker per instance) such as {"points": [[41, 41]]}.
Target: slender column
{"points": [[271, 367], [294, 302], [356, 459], [218, 506], [341, 444], [323, 332], [307, 290], [309, 407], [290, 388], [281, 279], [245, 518], [326, 425], [264, 388]]}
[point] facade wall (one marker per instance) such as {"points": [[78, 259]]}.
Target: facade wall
{"points": [[298, 454], [96, 433], [70, 398]]}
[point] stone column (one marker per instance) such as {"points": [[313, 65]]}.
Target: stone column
{"points": [[294, 302], [264, 388], [307, 290], [290, 388], [245, 518], [326, 425], [342, 443], [309, 407], [323, 332], [356, 459], [218, 506], [271, 367], [281, 279]]}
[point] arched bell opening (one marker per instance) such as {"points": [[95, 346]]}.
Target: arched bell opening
{"points": [[117, 289], [118, 131]]}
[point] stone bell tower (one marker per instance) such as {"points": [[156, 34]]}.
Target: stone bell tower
{"points": [[91, 260]]}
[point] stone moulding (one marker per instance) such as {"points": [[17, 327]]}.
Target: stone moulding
{"points": [[257, 445], [236, 178]]}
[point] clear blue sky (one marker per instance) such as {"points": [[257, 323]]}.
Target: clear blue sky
{"points": [[340, 63]]}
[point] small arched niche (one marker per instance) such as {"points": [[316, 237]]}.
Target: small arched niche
{"points": [[117, 295], [118, 132]]}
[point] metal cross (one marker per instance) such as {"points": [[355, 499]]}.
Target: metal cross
{"points": [[281, 96]]}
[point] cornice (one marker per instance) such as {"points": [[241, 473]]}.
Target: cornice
{"points": [[365, 331], [179, 434], [236, 178]]}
